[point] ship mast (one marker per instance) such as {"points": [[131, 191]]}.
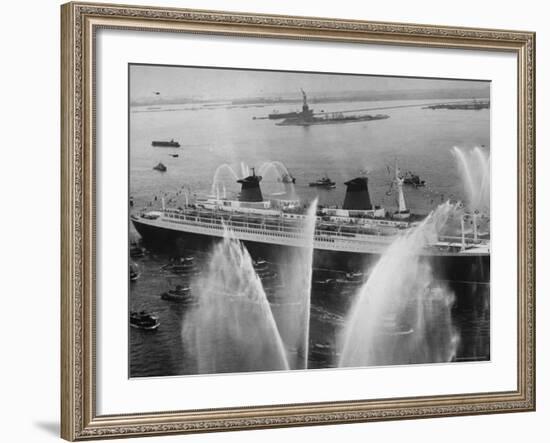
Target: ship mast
{"points": [[462, 234], [474, 218], [400, 196]]}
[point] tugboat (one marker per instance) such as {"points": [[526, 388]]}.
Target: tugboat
{"points": [[413, 180], [160, 167], [143, 320], [180, 294], [166, 144], [182, 265], [134, 272], [324, 182]]}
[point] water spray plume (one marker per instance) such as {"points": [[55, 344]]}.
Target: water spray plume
{"points": [[217, 174], [294, 297], [394, 317], [232, 329], [475, 172]]}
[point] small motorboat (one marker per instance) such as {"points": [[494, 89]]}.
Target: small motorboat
{"points": [[351, 278], [174, 155], [181, 265], [180, 294], [144, 320], [263, 270], [324, 182], [160, 167], [260, 265]]}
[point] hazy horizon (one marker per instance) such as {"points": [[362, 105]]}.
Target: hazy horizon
{"points": [[168, 84]]}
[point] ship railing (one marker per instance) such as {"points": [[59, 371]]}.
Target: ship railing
{"points": [[214, 221], [270, 222], [277, 227], [469, 240], [271, 229]]}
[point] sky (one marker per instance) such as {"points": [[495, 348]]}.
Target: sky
{"points": [[214, 83]]}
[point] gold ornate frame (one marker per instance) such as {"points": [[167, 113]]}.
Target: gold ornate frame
{"points": [[80, 21]]}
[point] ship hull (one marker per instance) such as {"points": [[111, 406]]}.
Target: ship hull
{"points": [[452, 268]]}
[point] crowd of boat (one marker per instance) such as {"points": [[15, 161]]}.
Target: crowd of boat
{"points": [[184, 269]]}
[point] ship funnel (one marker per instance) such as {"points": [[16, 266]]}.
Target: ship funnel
{"points": [[357, 194], [250, 188]]}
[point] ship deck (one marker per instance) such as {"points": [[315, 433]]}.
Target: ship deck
{"points": [[279, 231]]}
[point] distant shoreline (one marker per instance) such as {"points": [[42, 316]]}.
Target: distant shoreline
{"points": [[314, 100]]}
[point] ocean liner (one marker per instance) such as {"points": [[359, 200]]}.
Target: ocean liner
{"points": [[346, 238]]}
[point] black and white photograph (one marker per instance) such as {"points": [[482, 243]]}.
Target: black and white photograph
{"points": [[284, 220]]}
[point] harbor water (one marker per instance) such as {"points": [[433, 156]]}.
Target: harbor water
{"points": [[423, 141]]}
